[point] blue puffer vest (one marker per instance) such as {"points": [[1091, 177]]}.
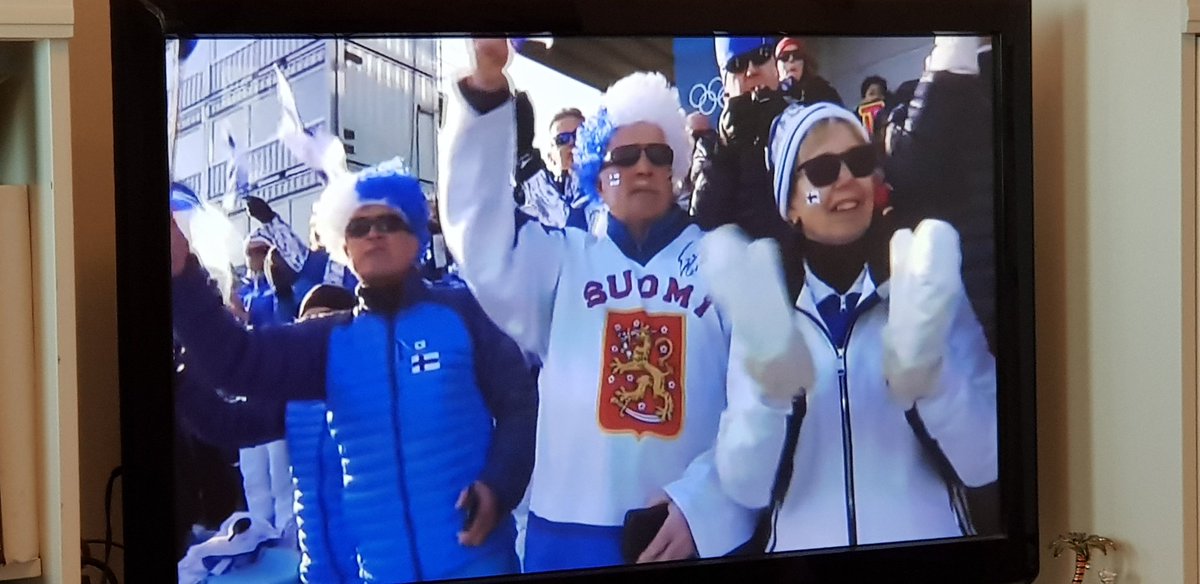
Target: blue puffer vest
{"points": [[327, 550], [414, 430]]}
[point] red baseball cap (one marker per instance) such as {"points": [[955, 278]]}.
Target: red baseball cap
{"points": [[787, 44]]}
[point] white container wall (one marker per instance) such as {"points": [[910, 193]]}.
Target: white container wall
{"points": [[378, 95]]}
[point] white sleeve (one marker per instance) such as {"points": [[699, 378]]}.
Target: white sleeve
{"points": [[750, 438], [512, 274], [961, 415], [718, 523]]}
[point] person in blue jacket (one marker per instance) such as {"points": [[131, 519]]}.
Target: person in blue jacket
{"points": [[328, 554], [432, 408]]}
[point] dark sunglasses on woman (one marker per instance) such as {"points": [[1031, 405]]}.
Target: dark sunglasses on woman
{"points": [[629, 155], [823, 170], [388, 223], [564, 138], [740, 63], [789, 56]]}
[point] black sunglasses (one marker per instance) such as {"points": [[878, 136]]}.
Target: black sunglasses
{"points": [[790, 56], [823, 170], [629, 155], [388, 223], [564, 138], [740, 63]]}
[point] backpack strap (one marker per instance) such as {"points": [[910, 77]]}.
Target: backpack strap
{"points": [[762, 540], [783, 473], [955, 488]]}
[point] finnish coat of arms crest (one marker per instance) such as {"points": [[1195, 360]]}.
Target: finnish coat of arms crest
{"points": [[642, 381]]}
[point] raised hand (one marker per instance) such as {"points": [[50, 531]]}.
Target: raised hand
{"points": [[746, 281], [260, 210], [491, 58], [926, 287]]}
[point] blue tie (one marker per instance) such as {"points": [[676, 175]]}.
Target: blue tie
{"points": [[836, 319]]}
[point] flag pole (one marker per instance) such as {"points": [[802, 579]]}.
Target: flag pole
{"points": [[172, 138]]}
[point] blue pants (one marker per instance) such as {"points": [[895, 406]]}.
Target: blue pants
{"points": [[502, 562], [552, 546]]}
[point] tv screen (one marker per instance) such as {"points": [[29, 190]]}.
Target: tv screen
{"points": [[453, 298]]}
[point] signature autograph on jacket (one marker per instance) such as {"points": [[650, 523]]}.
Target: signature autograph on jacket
{"points": [[689, 261]]}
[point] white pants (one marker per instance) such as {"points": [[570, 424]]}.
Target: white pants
{"points": [[267, 482]]}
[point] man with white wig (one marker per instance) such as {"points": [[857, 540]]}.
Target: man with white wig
{"points": [[431, 406], [634, 353]]}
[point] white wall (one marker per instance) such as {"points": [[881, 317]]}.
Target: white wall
{"points": [[1108, 127], [845, 62], [1109, 196]]}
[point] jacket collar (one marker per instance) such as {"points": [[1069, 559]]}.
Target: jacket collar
{"points": [[661, 234], [390, 299]]}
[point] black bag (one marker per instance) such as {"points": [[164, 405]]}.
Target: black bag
{"points": [[640, 527], [760, 541]]}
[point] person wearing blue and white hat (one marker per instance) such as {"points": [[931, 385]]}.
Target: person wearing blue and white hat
{"points": [[879, 360], [433, 408]]}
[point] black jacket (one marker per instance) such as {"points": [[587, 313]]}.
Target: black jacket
{"points": [[942, 166], [731, 177]]}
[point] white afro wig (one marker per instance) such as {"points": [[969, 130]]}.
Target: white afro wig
{"points": [[387, 183], [331, 212], [638, 97]]}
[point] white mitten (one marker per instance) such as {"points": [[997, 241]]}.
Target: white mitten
{"points": [[926, 287], [956, 54], [747, 284]]}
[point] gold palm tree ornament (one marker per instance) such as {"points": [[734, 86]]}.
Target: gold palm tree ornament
{"points": [[1082, 544]]}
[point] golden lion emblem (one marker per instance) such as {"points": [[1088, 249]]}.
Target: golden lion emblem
{"points": [[648, 360]]}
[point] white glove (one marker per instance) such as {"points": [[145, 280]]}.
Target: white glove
{"points": [[926, 287], [956, 54], [747, 284]]}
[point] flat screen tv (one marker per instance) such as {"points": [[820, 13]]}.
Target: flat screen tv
{"points": [[586, 290]]}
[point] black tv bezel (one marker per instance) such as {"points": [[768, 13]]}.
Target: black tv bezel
{"points": [[140, 27]]}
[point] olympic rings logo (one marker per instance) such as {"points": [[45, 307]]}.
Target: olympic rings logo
{"points": [[706, 98]]}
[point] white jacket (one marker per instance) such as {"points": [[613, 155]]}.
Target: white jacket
{"points": [[567, 296], [855, 433]]}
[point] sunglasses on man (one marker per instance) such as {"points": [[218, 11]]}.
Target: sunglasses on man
{"points": [[629, 155], [564, 138], [360, 227], [823, 170], [758, 57]]}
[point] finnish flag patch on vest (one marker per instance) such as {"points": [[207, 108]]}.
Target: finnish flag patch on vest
{"points": [[424, 361]]}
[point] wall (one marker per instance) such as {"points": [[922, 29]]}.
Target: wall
{"points": [[95, 268], [1112, 456], [845, 63], [1113, 429]]}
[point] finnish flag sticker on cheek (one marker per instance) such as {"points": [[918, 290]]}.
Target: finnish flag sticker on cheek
{"points": [[813, 197]]}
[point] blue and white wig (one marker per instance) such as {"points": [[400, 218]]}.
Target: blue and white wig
{"points": [[388, 183], [638, 97]]}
